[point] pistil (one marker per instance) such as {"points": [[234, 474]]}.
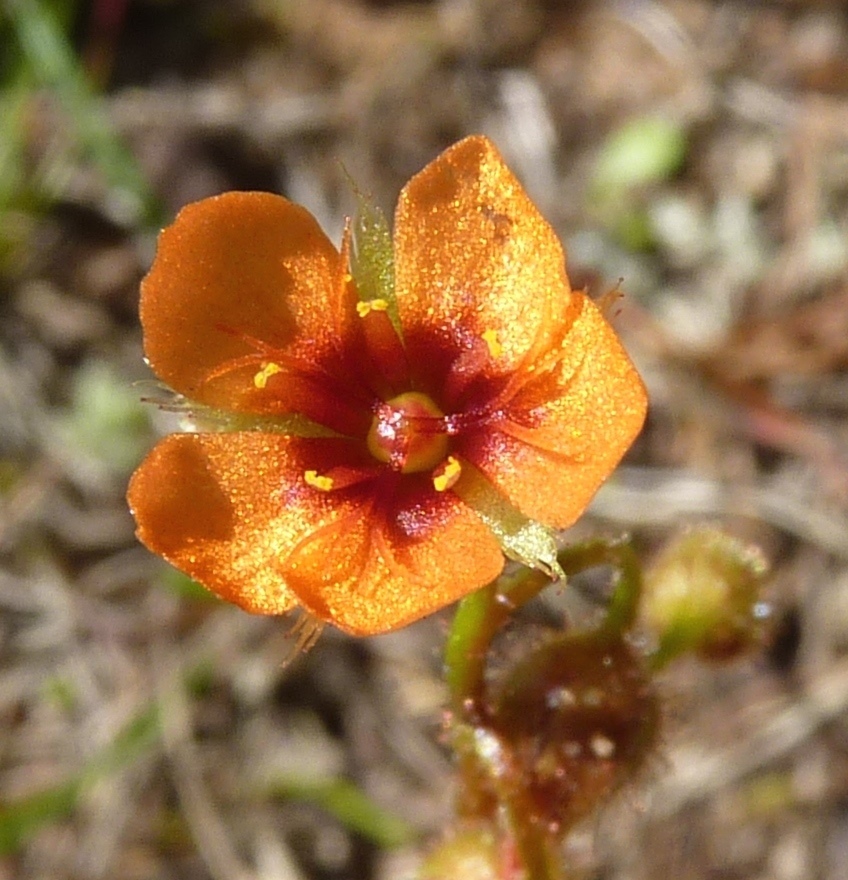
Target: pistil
{"points": [[409, 433]]}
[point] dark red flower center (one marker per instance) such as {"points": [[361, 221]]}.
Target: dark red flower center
{"points": [[409, 433]]}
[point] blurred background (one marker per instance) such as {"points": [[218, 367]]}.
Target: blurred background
{"points": [[695, 151]]}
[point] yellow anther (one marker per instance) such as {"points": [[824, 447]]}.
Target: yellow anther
{"points": [[490, 337], [364, 307], [260, 380], [446, 475], [348, 277], [314, 479]]}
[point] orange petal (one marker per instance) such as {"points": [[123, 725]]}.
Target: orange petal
{"points": [[371, 571], [225, 508], [237, 512], [564, 432], [476, 265], [241, 280]]}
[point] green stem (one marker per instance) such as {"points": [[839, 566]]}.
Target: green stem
{"points": [[624, 603], [480, 615], [478, 619], [533, 844]]}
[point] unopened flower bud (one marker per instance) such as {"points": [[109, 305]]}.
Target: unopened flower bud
{"points": [[703, 595], [470, 854], [578, 717]]}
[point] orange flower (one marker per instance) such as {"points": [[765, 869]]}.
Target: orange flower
{"points": [[378, 442]]}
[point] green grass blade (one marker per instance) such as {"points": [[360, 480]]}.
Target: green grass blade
{"points": [[55, 66]]}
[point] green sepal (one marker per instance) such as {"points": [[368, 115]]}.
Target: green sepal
{"points": [[373, 260], [206, 419], [295, 424], [523, 539]]}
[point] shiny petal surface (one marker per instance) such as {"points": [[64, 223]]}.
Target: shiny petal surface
{"points": [[565, 430], [479, 271], [376, 572], [249, 309], [225, 508], [240, 280], [235, 513]]}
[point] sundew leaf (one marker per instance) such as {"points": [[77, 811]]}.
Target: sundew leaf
{"points": [[351, 806], [372, 260], [521, 538]]}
